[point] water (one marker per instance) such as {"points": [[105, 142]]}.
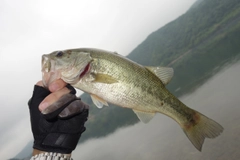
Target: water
{"points": [[162, 138]]}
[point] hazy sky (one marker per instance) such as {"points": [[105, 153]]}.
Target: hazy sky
{"points": [[29, 29]]}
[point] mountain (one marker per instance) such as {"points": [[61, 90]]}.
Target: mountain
{"points": [[197, 41], [206, 36]]}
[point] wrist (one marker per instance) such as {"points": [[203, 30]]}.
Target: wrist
{"points": [[38, 154], [36, 151]]}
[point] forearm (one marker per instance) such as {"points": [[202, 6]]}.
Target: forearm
{"points": [[36, 151]]}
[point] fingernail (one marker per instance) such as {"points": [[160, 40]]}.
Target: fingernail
{"points": [[43, 106]]}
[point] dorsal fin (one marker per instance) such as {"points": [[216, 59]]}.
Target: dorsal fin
{"points": [[165, 74]]}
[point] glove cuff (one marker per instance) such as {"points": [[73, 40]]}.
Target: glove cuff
{"points": [[60, 143]]}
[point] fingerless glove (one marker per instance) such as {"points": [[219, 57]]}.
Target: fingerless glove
{"points": [[59, 127]]}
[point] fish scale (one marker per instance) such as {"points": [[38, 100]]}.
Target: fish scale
{"points": [[125, 78]]}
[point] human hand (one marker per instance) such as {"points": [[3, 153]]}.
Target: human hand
{"points": [[57, 89], [59, 125]]}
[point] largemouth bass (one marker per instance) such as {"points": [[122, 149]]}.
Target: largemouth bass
{"points": [[111, 78]]}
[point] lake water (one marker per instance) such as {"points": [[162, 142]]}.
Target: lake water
{"points": [[162, 138]]}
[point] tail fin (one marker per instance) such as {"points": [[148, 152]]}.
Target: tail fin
{"points": [[200, 128]]}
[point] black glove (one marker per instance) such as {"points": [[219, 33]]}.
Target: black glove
{"points": [[59, 127]]}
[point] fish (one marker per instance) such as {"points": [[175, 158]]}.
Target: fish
{"points": [[112, 78]]}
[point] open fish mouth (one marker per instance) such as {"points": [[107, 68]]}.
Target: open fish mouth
{"points": [[49, 73]]}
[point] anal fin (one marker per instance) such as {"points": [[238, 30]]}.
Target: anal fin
{"points": [[144, 117]]}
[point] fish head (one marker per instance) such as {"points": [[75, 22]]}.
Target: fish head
{"points": [[68, 65]]}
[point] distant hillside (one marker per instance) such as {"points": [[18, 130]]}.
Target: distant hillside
{"points": [[194, 44], [206, 23]]}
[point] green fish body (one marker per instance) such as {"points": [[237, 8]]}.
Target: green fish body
{"points": [[111, 78]]}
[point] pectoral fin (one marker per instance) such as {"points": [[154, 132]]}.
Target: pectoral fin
{"points": [[144, 117], [165, 74], [99, 102], [104, 78]]}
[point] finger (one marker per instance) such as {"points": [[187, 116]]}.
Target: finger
{"points": [[39, 83], [73, 108], [57, 107], [39, 94], [53, 97], [57, 85]]}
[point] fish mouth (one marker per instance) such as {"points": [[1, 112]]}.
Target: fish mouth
{"points": [[49, 73]]}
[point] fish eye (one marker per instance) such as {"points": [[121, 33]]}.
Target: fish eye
{"points": [[59, 54]]}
